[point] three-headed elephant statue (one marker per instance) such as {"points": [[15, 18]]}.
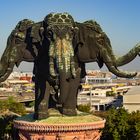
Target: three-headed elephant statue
{"points": [[59, 47]]}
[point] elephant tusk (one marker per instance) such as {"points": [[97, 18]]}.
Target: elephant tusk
{"points": [[53, 97]]}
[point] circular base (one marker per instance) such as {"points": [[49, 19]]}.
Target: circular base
{"points": [[79, 127]]}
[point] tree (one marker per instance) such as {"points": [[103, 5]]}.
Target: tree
{"points": [[11, 105], [121, 125], [9, 110], [134, 125], [116, 126]]}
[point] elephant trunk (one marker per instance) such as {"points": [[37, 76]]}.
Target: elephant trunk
{"points": [[129, 56], [110, 61], [119, 73], [7, 61], [6, 67], [5, 72]]}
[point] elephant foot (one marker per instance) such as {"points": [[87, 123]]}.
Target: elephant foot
{"points": [[54, 112], [41, 115], [69, 112]]}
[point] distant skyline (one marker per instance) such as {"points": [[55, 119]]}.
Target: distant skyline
{"points": [[118, 19]]}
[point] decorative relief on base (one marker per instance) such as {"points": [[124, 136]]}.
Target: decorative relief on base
{"points": [[70, 131]]}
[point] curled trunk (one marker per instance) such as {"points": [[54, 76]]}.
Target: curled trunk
{"points": [[119, 73], [120, 61], [5, 72], [110, 62], [9, 58]]}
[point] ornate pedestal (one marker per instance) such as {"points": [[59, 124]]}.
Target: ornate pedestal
{"points": [[61, 128]]}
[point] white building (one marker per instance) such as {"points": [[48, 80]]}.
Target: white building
{"points": [[17, 75], [94, 80], [96, 95], [97, 103]]}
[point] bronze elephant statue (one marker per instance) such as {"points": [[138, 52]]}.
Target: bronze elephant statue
{"points": [[59, 48]]}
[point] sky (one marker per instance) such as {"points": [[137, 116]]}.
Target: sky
{"points": [[119, 19]]}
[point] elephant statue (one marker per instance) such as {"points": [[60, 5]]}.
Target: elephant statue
{"points": [[59, 47]]}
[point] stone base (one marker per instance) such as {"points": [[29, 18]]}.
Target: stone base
{"points": [[60, 128]]}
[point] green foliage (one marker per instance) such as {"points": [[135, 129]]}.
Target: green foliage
{"points": [[84, 108], [6, 119], [110, 93], [134, 125], [102, 114], [31, 104], [13, 106], [121, 125], [17, 108]]}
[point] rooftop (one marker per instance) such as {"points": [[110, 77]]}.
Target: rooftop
{"points": [[135, 90]]}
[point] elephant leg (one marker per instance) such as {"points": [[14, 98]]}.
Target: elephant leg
{"points": [[69, 106], [42, 94], [36, 101]]}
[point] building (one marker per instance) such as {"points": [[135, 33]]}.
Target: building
{"points": [[102, 96], [95, 96], [97, 77], [131, 100], [18, 82], [21, 76], [97, 103]]}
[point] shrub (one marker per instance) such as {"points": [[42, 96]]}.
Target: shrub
{"points": [[116, 126], [6, 116], [121, 125], [134, 125], [84, 108]]}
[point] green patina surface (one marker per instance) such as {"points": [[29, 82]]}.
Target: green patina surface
{"points": [[80, 118], [74, 119]]}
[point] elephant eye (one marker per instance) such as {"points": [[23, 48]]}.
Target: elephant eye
{"points": [[49, 34], [74, 29], [100, 41]]}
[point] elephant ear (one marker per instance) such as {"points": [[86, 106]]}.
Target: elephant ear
{"points": [[85, 42], [18, 36], [37, 32], [20, 31]]}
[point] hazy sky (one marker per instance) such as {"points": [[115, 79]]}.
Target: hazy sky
{"points": [[120, 19]]}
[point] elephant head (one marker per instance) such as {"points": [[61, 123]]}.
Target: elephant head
{"points": [[26, 40], [16, 49], [59, 28], [92, 44]]}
